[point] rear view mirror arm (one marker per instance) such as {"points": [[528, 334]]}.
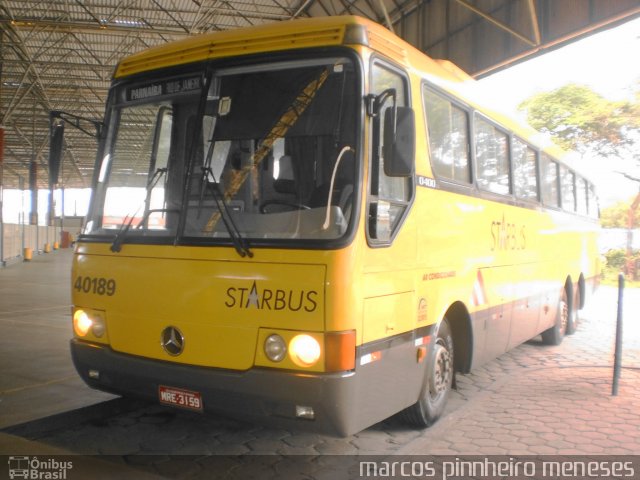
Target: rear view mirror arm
{"points": [[77, 122], [374, 102]]}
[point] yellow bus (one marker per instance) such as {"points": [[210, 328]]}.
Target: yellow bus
{"points": [[313, 224]]}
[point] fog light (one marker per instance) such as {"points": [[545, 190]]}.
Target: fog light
{"points": [[98, 326], [81, 323], [95, 374], [305, 412], [275, 348], [305, 350]]}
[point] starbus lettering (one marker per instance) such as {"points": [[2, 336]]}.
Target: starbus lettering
{"points": [[269, 299], [508, 236]]}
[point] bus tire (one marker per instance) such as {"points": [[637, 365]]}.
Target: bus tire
{"points": [[555, 334], [574, 314], [437, 384]]}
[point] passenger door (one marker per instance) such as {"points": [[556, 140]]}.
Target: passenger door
{"points": [[390, 258]]}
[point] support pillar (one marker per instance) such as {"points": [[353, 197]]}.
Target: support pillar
{"points": [[33, 188], [1, 192], [51, 211]]}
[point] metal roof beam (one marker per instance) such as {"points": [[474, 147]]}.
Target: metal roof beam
{"points": [[151, 29], [179, 22], [385, 13], [498, 23], [65, 65], [533, 15], [304, 6]]}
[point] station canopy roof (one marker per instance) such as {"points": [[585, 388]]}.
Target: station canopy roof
{"points": [[61, 54]]}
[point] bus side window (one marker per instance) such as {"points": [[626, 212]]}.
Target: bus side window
{"points": [[567, 179], [492, 157], [592, 199], [549, 178], [389, 196], [581, 196], [525, 178], [448, 127]]}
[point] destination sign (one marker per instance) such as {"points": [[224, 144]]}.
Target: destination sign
{"points": [[163, 88]]}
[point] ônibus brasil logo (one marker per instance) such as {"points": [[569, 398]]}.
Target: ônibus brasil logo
{"points": [[37, 469]]}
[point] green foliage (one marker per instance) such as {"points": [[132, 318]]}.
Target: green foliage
{"points": [[616, 216], [615, 263], [616, 259], [577, 118]]}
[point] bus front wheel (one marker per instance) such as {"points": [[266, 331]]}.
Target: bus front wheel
{"points": [[438, 382]]}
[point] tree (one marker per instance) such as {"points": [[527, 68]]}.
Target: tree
{"points": [[617, 215], [577, 118]]}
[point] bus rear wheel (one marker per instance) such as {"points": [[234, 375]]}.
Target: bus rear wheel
{"points": [[437, 384], [574, 315], [555, 334]]}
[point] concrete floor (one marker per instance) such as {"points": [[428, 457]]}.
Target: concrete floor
{"points": [[37, 376]]}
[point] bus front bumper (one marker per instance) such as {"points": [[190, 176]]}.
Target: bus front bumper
{"points": [[264, 395]]}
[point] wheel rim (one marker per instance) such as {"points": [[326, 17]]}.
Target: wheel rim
{"points": [[440, 381], [564, 316]]}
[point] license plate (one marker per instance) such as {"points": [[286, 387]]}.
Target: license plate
{"points": [[178, 397]]}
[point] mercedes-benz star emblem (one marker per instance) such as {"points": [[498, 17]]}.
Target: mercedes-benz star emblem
{"points": [[172, 341]]}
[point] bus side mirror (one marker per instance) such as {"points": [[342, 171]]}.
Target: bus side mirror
{"points": [[56, 132], [399, 143], [57, 119]]}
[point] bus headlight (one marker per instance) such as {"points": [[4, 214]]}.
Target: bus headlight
{"points": [[81, 323], [85, 322], [275, 348], [304, 350]]}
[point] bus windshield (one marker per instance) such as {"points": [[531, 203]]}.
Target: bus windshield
{"points": [[263, 152]]}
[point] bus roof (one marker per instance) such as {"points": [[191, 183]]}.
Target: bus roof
{"points": [[300, 33], [283, 35]]}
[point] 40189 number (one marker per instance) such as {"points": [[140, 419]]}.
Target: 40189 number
{"points": [[95, 285]]}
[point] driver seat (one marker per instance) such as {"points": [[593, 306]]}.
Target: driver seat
{"points": [[342, 193]]}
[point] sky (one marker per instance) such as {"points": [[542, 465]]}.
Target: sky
{"points": [[608, 62]]}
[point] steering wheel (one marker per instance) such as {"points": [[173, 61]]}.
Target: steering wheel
{"points": [[293, 206]]}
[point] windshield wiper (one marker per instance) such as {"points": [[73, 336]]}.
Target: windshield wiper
{"points": [[240, 243], [118, 240]]}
